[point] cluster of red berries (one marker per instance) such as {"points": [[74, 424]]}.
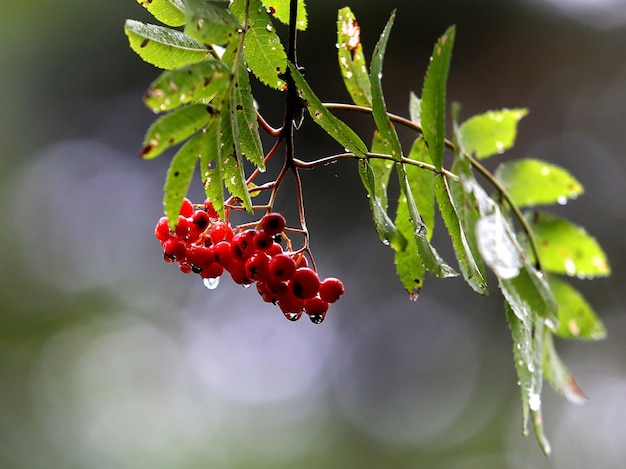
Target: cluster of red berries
{"points": [[205, 245]]}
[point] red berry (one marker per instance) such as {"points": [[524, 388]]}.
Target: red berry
{"points": [[258, 267], [220, 231], [289, 303], [282, 267], [223, 253], [238, 273], [263, 241], [305, 283], [273, 223], [274, 250], [213, 271], [301, 261], [200, 256], [315, 305], [183, 227], [331, 289], [243, 245], [186, 209], [174, 249], [185, 268], [208, 206], [200, 220], [162, 229]]}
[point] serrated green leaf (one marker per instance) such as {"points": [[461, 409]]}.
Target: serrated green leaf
{"points": [[490, 133], [322, 117], [351, 59], [462, 248], [163, 47], [434, 96], [210, 22], [169, 12], [211, 166], [534, 182], [566, 248], [381, 168], [376, 191], [528, 355], [557, 374], [232, 164], [199, 82], [409, 266], [427, 253], [173, 128], [280, 10], [379, 108], [576, 317], [265, 54], [179, 177], [415, 108]]}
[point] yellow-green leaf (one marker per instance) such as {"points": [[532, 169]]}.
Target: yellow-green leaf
{"points": [[490, 133], [169, 12], [280, 10], [351, 59]]}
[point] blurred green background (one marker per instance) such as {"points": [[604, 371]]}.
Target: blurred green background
{"points": [[111, 359]]}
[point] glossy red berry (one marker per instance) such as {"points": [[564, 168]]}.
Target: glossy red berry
{"points": [[210, 210], [258, 267], [243, 245], [305, 283], [273, 223], [223, 253], [263, 241], [162, 229], [213, 271], [282, 267], [220, 231], [315, 305], [200, 256], [174, 249], [289, 303], [186, 209], [331, 289]]}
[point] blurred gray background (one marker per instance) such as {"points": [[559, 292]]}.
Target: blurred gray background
{"points": [[111, 358]]}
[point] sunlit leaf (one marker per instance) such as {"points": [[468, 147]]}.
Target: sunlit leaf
{"points": [[534, 182], [179, 177], [280, 10], [557, 374], [381, 168], [173, 128], [379, 108], [528, 355], [169, 12], [576, 318], [210, 22], [415, 108], [386, 228], [351, 59], [163, 47], [434, 96], [465, 256], [566, 248], [211, 166], [265, 54], [322, 116], [199, 82], [490, 133]]}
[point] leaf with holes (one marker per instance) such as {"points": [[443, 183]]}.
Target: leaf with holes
{"points": [[163, 47], [173, 128], [280, 10], [199, 82], [566, 248], [351, 59], [534, 182], [434, 96], [490, 133], [576, 318], [169, 12]]}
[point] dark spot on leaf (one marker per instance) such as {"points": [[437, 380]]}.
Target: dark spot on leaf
{"points": [[176, 173], [239, 107], [171, 140], [144, 43], [271, 10], [145, 150]]}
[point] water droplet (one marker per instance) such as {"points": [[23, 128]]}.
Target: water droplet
{"points": [[293, 316], [386, 242], [317, 318], [246, 285], [269, 27], [534, 401], [531, 367], [561, 200], [211, 283], [348, 74]]}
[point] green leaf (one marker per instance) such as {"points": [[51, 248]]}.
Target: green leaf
{"points": [[280, 10], [566, 248], [322, 116], [490, 133], [199, 82], [534, 182], [427, 254], [381, 168], [351, 59], [379, 108], [163, 47], [409, 265], [173, 128], [169, 12], [179, 177], [211, 166], [528, 355], [557, 374], [576, 318], [434, 96], [462, 248], [210, 22], [265, 54], [377, 193], [415, 108]]}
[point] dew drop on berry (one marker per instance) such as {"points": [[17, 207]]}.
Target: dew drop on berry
{"points": [[246, 285], [211, 283], [317, 318], [293, 316]]}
